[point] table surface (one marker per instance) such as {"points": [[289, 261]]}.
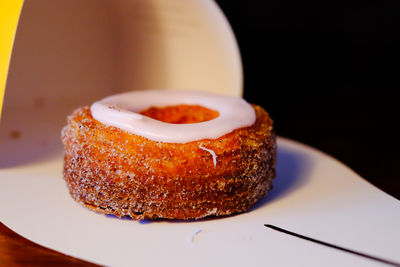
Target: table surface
{"points": [[15, 250]]}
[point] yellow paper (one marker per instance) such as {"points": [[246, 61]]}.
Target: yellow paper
{"points": [[9, 15]]}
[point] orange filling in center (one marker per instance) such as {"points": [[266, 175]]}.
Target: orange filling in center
{"points": [[181, 114]]}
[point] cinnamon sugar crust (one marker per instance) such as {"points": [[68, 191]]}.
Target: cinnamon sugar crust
{"points": [[115, 172]]}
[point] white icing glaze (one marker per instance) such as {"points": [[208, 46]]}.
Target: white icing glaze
{"points": [[214, 156], [193, 237], [122, 111]]}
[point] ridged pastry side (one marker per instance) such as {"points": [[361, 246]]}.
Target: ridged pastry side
{"points": [[114, 172]]}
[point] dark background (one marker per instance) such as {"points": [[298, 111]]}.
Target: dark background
{"points": [[328, 74]]}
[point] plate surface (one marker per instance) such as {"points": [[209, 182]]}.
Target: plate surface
{"points": [[313, 194]]}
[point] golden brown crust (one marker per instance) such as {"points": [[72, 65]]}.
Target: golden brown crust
{"points": [[114, 172]]}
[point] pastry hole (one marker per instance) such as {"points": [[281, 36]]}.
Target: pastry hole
{"points": [[181, 114]]}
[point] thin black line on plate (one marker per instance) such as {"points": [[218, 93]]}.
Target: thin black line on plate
{"points": [[276, 228]]}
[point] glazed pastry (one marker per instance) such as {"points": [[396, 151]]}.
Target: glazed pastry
{"points": [[169, 154]]}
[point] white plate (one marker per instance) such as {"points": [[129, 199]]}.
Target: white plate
{"points": [[314, 195]]}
